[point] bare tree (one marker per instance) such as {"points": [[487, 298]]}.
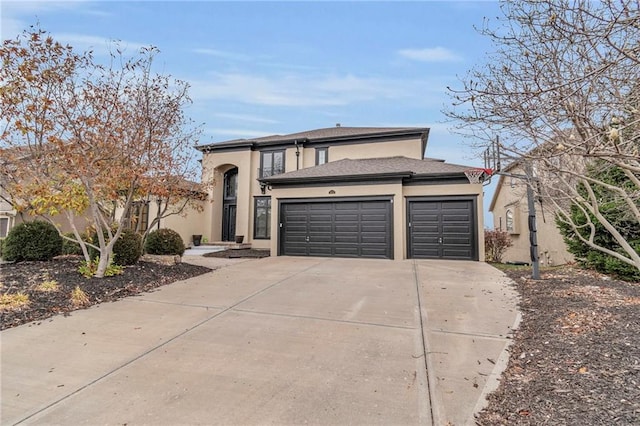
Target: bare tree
{"points": [[79, 138], [562, 91]]}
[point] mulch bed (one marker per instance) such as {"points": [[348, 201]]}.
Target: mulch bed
{"points": [[27, 276], [239, 253], [575, 359]]}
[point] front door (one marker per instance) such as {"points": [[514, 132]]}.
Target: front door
{"points": [[229, 205], [229, 223]]}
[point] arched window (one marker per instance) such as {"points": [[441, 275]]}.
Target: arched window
{"points": [[509, 220]]}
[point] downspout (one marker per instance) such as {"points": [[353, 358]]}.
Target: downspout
{"points": [[159, 202], [297, 154]]}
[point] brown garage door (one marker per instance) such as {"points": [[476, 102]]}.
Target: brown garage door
{"points": [[346, 228], [442, 229]]}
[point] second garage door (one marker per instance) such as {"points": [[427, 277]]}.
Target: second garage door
{"points": [[442, 229], [348, 228]]}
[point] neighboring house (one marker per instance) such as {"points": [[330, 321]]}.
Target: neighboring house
{"points": [[511, 214], [183, 215], [344, 192], [184, 218], [7, 214]]}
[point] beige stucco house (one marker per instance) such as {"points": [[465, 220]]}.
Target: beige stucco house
{"points": [[511, 214], [344, 192]]}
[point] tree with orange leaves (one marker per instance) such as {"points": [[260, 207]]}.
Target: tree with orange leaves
{"points": [[81, 138]]}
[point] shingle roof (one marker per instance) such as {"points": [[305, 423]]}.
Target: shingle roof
{"points": [[372, 167], [320, 134]]}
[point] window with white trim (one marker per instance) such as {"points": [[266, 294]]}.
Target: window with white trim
{"points": [[509, 221], [4, 226]]}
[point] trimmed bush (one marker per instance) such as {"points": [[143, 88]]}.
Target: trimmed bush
{"points": [[70, 247], [164, 241], [35, 240], [128, 249], [496, 242]]}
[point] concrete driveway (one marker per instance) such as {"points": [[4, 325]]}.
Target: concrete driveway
{"points": [[279, 340]]}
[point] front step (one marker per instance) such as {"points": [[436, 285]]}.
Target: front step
{"points": [[228, 244]]}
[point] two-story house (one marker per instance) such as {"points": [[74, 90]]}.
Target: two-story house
{"points": [[344, 192]]}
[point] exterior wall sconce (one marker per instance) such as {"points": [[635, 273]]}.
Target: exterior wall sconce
{"points": [[264, 187]]}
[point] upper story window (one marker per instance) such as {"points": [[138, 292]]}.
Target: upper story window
{"points": [[231, 184], [271, 163], [322, 156], [509, 221]]}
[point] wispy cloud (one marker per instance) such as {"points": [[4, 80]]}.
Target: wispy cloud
{"points": [[222, 54], [245, 117], [302, 90], [430, 54], [17, 16]]}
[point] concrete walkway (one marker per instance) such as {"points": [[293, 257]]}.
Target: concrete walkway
{"points": [[278, 340]]}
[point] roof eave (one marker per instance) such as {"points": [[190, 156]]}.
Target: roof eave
{"points": [[222, 146], [328, 179], [496, 192]]}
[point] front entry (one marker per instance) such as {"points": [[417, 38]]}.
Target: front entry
{"points": [[229, 205]]}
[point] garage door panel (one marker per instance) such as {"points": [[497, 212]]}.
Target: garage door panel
{"points": [[456, 229], [419, 229], [349, 239], [320, 238], [441, 229], [374, 253], [338, 228], [457, 254], [455, 205], [419, 207], [427, 250], [317, 250], [350, 251], [346, 228], [456, 218], [317, 228], [373, 227], [456, 241], [373, 239], [344, 205], [343, 218], [297, 218]]}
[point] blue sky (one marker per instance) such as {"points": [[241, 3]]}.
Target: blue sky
{"points": [[262, 68]]}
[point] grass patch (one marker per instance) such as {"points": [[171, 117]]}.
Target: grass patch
{"points": [[506, 267], [47, 286], [13, 301], [79, 298]]}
